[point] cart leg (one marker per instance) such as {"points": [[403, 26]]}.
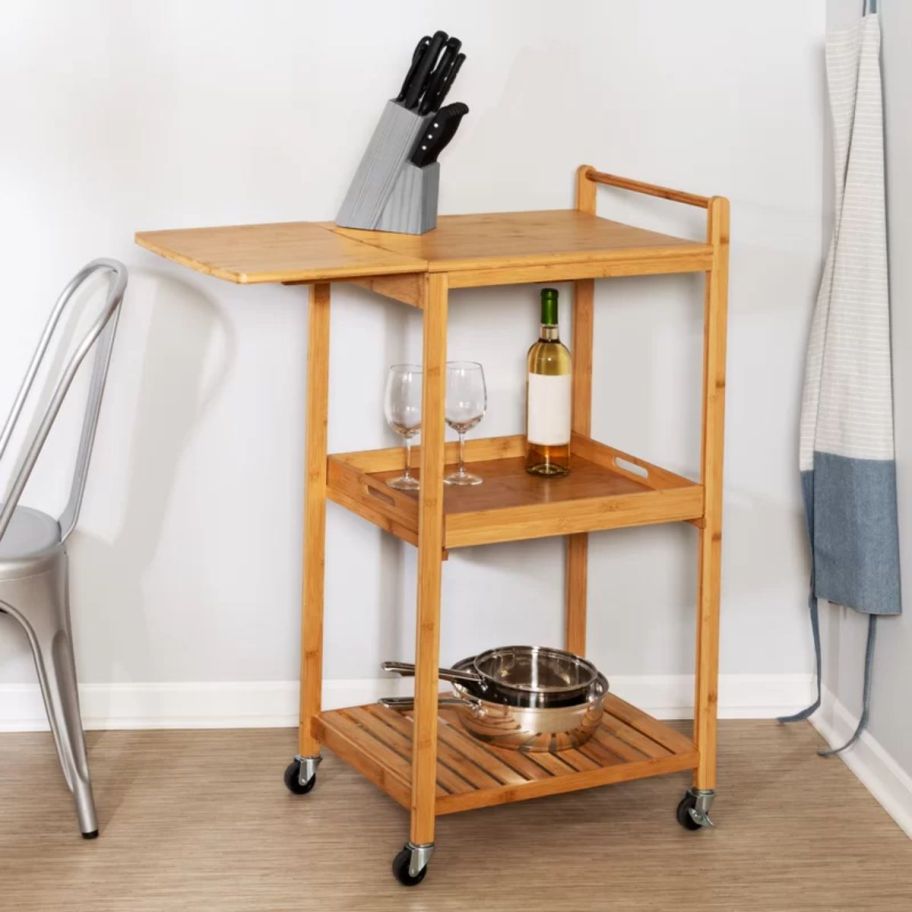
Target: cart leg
{"points": [[578, 545], [706, 697], [710, 551], [430, 555], [304, 765], [577, 573]]}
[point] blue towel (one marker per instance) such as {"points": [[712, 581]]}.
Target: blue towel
{"points": [[848, 471]]}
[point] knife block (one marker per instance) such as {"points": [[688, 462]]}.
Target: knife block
{"points": [[388, 192]]}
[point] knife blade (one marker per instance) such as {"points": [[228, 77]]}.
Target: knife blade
{"points": [[437, 78], [425, 65], [437, 135], [416, 59], [443, 91]]}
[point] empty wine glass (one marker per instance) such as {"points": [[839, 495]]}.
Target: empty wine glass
{"points": [[466, 403], [402, 405]]}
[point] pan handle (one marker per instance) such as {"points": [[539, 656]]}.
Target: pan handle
{"points": [[407, 670], [409, 702]]}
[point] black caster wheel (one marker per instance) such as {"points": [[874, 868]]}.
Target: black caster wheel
{"points": [[686, 805], [293, 781], [401, 869]]}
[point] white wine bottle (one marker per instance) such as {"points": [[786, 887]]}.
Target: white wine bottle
{"points": [[548, 396]]}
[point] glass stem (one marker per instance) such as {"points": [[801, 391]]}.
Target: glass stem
{"points": [[408, 457], [462, 470]]}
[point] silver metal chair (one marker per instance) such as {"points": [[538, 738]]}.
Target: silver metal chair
{"points": [[33, 558]]}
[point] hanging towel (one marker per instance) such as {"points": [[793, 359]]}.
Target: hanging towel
{"points": [[848, 472]]}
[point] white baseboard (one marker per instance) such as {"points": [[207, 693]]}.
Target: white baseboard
{"points": [[867, 759], [274, 704]]}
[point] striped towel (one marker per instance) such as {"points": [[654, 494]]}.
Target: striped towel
{"points": [[848, 471]]}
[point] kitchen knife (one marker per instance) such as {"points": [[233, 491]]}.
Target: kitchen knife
{"points": [[439, 131], [425, 65], [438, 77], [447, 82], [416, 59]]}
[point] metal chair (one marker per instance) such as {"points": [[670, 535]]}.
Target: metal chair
{"points": [[33, 558]]}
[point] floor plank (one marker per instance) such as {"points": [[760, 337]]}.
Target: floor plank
{"points": [[194, 820]]}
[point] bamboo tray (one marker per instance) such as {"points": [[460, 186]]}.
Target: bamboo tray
{"points": [[606, 489], [470, 774]]}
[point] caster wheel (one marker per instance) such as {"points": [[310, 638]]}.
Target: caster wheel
{"points": [[686, 805], [401, 869], [293, 781], [693, 811]]}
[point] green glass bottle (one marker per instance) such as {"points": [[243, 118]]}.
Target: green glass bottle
{"points": [[548, 396]]}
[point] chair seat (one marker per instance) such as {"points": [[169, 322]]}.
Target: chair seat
{"points": [[30, 539]]}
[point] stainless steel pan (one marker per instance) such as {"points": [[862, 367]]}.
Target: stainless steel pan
{"points": [[523, 676], [523, 728]]}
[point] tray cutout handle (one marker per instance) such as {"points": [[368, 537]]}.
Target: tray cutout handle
{"points": [[631, 468], [388, 499]]}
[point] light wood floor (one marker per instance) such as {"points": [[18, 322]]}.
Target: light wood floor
{"points": [[201, 820]]}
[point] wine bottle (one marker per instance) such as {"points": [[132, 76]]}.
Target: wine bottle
{"points": [[548, 396]]}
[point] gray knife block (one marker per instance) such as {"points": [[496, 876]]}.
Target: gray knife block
{"points": [[388, 192]]}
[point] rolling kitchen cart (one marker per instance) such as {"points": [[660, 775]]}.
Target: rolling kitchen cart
{"points": [[422, 758]]}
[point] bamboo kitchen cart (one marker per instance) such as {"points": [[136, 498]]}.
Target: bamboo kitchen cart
{"points": [[422, 758]]}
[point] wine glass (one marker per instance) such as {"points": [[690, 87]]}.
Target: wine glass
{"points": [[402, 405], [466, 403]]}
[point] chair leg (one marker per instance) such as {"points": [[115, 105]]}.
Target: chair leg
{"points": [[47, 622]]}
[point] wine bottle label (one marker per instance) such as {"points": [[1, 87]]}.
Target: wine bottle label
{"points": [[548, 417]]}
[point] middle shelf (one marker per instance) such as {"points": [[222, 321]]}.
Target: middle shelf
{"points": [[606, 489]]}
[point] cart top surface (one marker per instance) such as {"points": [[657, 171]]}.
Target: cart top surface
{"points": [[321, 251]]}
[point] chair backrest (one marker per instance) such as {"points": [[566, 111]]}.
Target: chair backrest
{"points": [[101, 332]]}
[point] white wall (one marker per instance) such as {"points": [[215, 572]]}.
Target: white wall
{"points": [[120, 117]]}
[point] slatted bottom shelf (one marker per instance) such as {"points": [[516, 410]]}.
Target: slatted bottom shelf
{"points": [[377, 742]]}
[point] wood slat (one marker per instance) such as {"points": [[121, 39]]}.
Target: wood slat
{"points": [[509, 766], [373, 747], [447, 757], [621, 772], [578, 760], [599, 752], [618, 746], [401, 743], [636, 739], [662, 734], [353, 751]]}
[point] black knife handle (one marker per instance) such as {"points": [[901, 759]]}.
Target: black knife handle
{"points": [[425, 64], [438, 77], [416, 57], [439, 131], [443, 91]]}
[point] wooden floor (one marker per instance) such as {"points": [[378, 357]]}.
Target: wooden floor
{"points": [[201, 821]]}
